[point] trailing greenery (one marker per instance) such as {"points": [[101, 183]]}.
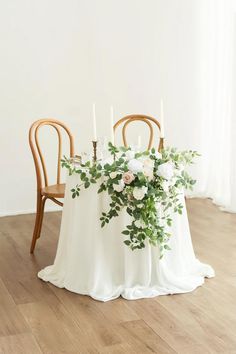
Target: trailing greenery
{"points": [[146, 184]]}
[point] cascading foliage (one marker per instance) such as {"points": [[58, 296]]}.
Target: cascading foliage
{"points": [[146, 184]]}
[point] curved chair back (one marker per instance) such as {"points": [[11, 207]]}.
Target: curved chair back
{"points": [[150, 122], [37, 152]]}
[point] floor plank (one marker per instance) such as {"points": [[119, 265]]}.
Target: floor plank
{"points": [[54, 328], [20, 344], [11, 321]]}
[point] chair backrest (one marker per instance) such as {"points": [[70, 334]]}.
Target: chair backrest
{"points": [[150, 121], [37, 152]]}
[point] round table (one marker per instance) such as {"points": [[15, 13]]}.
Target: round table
{"points": [[94, 261]]}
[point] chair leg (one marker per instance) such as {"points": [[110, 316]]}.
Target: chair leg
{"points": [[38, 220], [41, 217]]}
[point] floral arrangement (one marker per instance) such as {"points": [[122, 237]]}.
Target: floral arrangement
{"points": [[147, 184]]}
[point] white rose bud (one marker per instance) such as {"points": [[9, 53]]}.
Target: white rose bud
{"points": [[119, 187], [140, 205], [113, 175]]}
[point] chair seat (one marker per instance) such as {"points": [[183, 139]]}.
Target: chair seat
{"points": [[55, 190]]}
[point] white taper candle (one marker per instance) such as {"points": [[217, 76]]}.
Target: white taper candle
{"points": [[94, 124], [162, 120], [139, 141], [112, 125]]}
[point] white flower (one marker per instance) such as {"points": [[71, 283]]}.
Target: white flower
{"points": [[119, 187], [148, 172], [139, 224], [140, 205], [148, 163], [158, 155], [130, 154], [139, 193], [165, 185], [135, 166], [166, 170], [113, 175]]}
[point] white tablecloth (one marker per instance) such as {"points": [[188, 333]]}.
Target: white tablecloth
{"points": [[94, 261]]}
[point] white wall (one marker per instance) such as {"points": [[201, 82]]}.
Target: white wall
{"points": [[57, 57]]}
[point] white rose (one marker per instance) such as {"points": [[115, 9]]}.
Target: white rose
{"points": [[130, 155], [139, 193], [119, 187], [139, 224], [135, 166], [148, 163], [166, 170], [113, 175]]}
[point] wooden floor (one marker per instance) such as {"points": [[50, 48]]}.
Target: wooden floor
{"points": [[36, 317]]}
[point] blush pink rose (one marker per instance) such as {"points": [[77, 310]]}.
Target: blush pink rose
{"points": [[128, 177]]}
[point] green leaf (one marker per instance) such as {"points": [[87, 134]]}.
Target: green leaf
{"points": [[127, 242], [83, 176], [86, 185]]}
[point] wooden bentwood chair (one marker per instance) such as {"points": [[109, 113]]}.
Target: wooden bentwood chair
{"points": [[45, 191], [150, 121]]}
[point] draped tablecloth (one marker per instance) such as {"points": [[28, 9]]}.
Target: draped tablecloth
{"points": [[94, 261]]}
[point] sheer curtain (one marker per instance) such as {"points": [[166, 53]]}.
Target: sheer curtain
{"points": [[217, 171]]}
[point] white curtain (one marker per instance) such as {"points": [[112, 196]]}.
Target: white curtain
{"points": [[217, 171]]}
